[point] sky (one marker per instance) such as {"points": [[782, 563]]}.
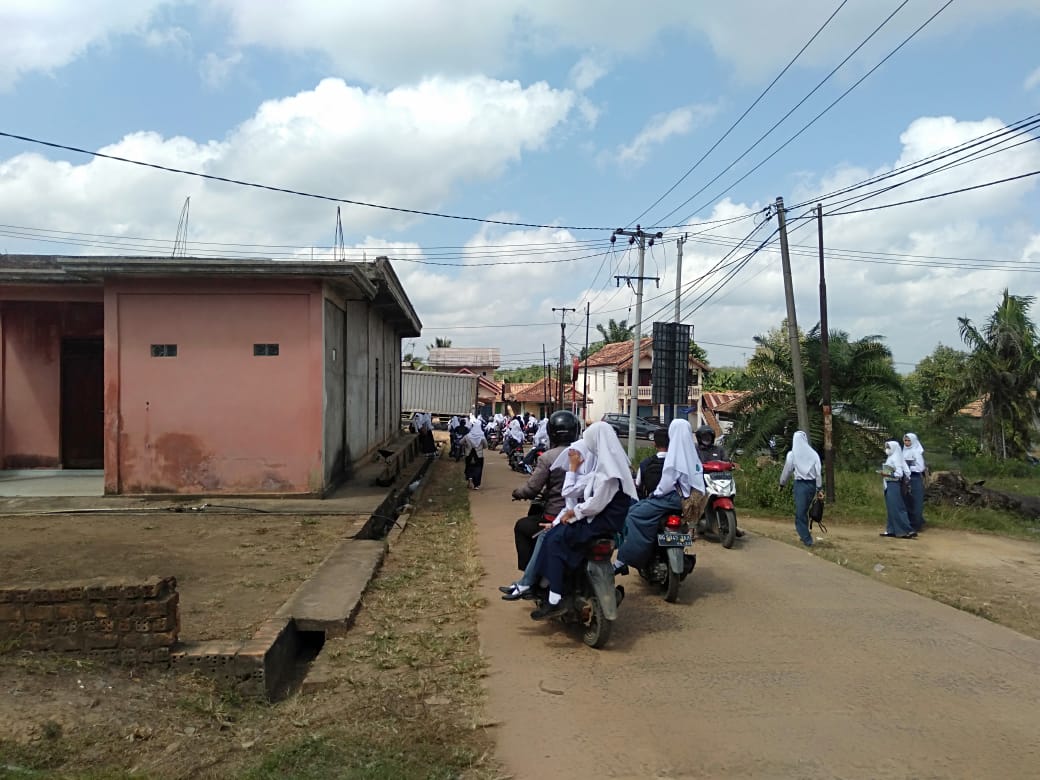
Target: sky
{"points": [[491, 149]]}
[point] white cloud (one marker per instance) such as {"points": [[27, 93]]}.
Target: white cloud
{"points": [[586, 72], [1032, 80], [168, 37], [411, 147], [661, 128], [216, 70], [45, 35]]}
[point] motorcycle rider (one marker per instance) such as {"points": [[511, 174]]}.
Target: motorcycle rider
{"points": [[563, 428], [707, 449], [649, 472], [681, 476]]}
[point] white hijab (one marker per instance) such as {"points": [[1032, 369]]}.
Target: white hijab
{"points": [[611, 460], [803, 455], [915, 453], [682, 466], [542, 434], [475, 435], [895, 459], [515, 431], [582, 476]]}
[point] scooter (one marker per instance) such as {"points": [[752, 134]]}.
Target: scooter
{"points": [[719, 518], [670, 564], [592, 599]]}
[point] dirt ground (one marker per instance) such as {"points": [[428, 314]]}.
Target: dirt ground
{"points": [[994, 577], [233, 571]]}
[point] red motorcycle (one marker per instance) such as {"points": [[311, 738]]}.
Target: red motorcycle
{"points": [[720, 517]]}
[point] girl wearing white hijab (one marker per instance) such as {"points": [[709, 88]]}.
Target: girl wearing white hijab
{"points": [[895, 469], [579, 463], [601, 511], [513, 438], [913, 454], [681, 475], [803, 462], [473, 444]]}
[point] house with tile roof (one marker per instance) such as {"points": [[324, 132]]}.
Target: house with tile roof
{"points": [[610, 382], [539, 398], [481, 361]]}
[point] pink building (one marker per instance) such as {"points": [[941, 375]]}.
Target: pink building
{"points": [[190, 375]]}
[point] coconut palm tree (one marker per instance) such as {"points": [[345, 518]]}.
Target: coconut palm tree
{"points": [[615, 331], [438, 343], [865, 386], [1003, 369]]}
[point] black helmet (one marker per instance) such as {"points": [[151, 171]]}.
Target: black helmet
{"points": [[705, 436], [563, 428]]}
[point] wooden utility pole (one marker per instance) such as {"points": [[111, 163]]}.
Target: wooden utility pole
{"points": [[637, 235], [825, 371], [792, 324], [585, 390], [563, 340], [545, 383]]}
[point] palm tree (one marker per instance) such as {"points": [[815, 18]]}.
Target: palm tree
{"points": [[438, 343], [864, 382], [1003, 369], [615, 331]]}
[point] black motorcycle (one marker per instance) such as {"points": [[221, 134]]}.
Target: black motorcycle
{"points": [[592, 599], [670, 564]]}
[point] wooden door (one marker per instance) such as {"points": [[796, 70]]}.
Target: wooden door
{"points": [[82, 403]]}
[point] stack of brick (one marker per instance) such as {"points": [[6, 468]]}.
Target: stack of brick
{"points": [[107, 620]]}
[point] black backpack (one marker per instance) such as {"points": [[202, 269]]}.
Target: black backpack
{"points": [[650, 471]]}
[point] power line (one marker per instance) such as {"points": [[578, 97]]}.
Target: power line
{"points": [[725, 135], [287, 191], [782, 119]]}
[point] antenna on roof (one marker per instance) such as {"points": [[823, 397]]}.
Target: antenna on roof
{"points": [[339, 246], [180, 243]]}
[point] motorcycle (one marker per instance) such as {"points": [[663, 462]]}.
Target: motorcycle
{"points": [[592, 599], [670, 564], [493, 436], [516, 460], [719, 518]]}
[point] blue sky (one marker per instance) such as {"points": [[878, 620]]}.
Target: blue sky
{"points": [[576, 114]]}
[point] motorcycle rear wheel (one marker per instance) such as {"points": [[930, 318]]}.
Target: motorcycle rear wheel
{"points": [[671, 594], [727, 521], [597, 630]]}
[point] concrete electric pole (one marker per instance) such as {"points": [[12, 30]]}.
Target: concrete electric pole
{"points": [[636, 236], [792, 324]]}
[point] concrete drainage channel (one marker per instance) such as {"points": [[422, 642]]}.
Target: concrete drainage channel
{"points": [[283, 655]]}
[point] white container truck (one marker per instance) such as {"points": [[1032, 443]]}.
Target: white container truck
{"points": [[442, 395]]}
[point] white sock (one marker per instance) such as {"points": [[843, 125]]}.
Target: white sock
{"points": [[520, 588], [554, 598], [619, 563]]}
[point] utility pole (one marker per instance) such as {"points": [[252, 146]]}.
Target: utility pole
{"points": [[792, 324], [545, 383], [563, 339], [673, 409], [585, 390], [634, 236], [825, 371]]}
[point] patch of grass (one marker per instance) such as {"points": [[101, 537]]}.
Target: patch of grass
{"points": [[409, 672], [31, 760]]}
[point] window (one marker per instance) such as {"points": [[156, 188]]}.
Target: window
{"points": [[164, 350], [265, 350]]}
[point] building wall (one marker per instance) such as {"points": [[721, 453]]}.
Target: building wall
{"points": [[603, 391], [215, 418], [335, 401], [357, 411], [31, 332]]}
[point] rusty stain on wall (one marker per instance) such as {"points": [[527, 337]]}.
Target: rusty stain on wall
{"points": [[183, 461]]}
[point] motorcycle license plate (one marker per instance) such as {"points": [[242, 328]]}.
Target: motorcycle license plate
{"points": [[672, 539]]}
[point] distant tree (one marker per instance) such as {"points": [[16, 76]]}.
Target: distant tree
{"points": [[1003, 369], [864, 387], [615, 331], [439, 343], [698, 352], [725, 378], [525, 374], [934, 379]]}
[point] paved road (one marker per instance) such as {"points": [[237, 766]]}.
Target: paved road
{"points": [[774, 664]]}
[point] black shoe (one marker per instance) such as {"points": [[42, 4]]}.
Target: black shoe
{"points": [[515, 594], [548, 611], [886, 533], [621, 571], [740, 533], [506, 588], [909, 536]]}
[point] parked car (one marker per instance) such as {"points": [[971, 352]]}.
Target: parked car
{"points": [[619, 422]]}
